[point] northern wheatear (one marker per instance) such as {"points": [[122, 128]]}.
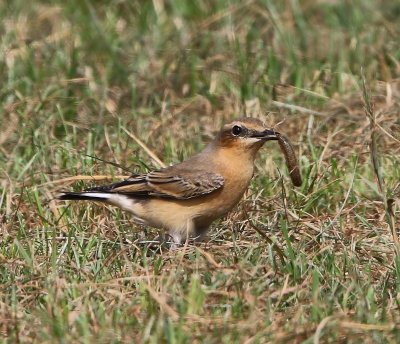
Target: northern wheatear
{"points": [[184, 199]]}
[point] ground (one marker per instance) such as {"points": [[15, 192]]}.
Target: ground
{"points": [[100, 89]]}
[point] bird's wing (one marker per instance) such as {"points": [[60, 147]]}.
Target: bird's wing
{"points": [[165, 183]]}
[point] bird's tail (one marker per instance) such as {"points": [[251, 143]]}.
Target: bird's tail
{"points": [[84, 196], [125, 202]]}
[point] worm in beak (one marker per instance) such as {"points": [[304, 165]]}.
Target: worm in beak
{"points": [[288, 152]]}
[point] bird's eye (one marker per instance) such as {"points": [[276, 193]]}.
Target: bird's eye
{"points": [[236, 130]]}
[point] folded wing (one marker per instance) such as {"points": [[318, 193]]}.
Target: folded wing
{"points": [[165, 183]]}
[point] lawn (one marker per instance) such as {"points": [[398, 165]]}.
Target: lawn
{"points": [[95, 90]]}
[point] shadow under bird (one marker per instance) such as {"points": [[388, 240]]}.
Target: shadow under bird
{"points": [[184, 199]]}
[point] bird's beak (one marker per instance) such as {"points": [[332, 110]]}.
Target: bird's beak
{"points": [[265, 135]]}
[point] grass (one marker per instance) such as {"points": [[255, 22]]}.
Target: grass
{"points": [[84, 83]]}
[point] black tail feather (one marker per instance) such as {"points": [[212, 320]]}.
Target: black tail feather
{"points": [[79, 196]]}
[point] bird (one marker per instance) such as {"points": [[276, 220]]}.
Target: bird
{"points": [[183, 200]]}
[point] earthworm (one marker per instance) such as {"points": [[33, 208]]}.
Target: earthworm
{"points": [[291, 160]]}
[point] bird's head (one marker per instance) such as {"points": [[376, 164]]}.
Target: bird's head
{"points": [[246, 134], [244, 137]]}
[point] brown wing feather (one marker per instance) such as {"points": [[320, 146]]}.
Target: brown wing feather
{"points": [[164, 183]]}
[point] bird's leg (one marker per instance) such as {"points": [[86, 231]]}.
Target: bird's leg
{"points": [[169, 240], [181, 236], [200, 234], [174, 240]]}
